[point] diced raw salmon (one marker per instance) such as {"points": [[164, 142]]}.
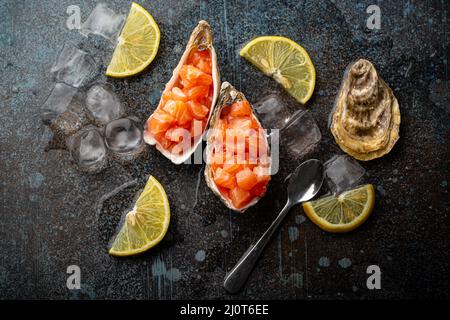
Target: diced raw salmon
{"points": [[207, 101], [225, 112], [247, 164], [187, 84], [232, 167], [259, 189], [224, 179], [244, 124], [196, 56], [235, 141], [179, 110], [177, 134], [256, 146], [174, 108], [220, 157], [256, 125], [197, 127], [240, 108], [185, 117], [198, 110], [241, 136], [224, 192], [204, 65], [216, 161], [160, 121], [165, 143], [252, 142], [262, 173], [195, 75], [178, 94], [246, 179], [197, 93], [184, 108], [219, 134], [181, 147], [239, 197], [166, 96]]}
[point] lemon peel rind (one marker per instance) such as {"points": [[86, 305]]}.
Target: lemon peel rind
{"points": [[154, 242], [342, 228], [273, 73], [141, 67]]}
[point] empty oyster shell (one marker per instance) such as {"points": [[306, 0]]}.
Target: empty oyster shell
{"points": [[227, 97], [365, 121], [201, 39]]}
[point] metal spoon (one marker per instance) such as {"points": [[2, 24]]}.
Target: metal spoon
{"points": [[304, 183]]}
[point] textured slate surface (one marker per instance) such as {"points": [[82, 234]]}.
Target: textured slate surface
{"points": [[51, 216]]}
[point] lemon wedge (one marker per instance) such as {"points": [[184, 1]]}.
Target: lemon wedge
{"points": [[146, 225], [342, 213], [285, 61], [137, 45]]}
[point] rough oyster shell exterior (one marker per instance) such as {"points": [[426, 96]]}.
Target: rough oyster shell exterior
{"points": [[365, 121]]}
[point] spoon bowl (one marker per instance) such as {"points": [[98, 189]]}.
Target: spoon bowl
{"points": [[304, 183]]}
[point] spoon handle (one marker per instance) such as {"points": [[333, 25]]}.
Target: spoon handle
{"points": [[237, 276]]}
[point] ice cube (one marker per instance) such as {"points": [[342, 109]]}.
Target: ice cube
{"points": [[342, 173], [103, 21], [301, 134], [103, 103], [272, 112], [70, 121], [124, 138], [88, 150], [73, 66], [57, 101]]}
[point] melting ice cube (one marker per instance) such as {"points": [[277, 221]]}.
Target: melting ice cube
{"points": [[103, 21], [70, 121], [103, 104], [272, 112], [58, 101], [88, 150], [73, 66], [123, 135], [342, 173], [301, 134]]}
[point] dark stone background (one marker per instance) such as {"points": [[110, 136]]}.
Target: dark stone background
{"points": [[52, 217]]}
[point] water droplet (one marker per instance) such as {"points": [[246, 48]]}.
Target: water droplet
{"points": [[324, 262], [200, 255], [345, 263]]}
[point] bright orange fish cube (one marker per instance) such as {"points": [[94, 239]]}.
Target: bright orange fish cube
{"points": [[232, 167], [195, 75], [177, 134], [179, 110], [239, 197], [240, 108], [178, 94], [262, 173], [160, 121], [246, 179], [198, 110], [197, 93], [259, 189], [224, 179], [204, 65]]}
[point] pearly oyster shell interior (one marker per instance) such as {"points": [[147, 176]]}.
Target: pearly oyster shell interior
{"points": [[201, 39], [365, 121], [228, 95]]}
